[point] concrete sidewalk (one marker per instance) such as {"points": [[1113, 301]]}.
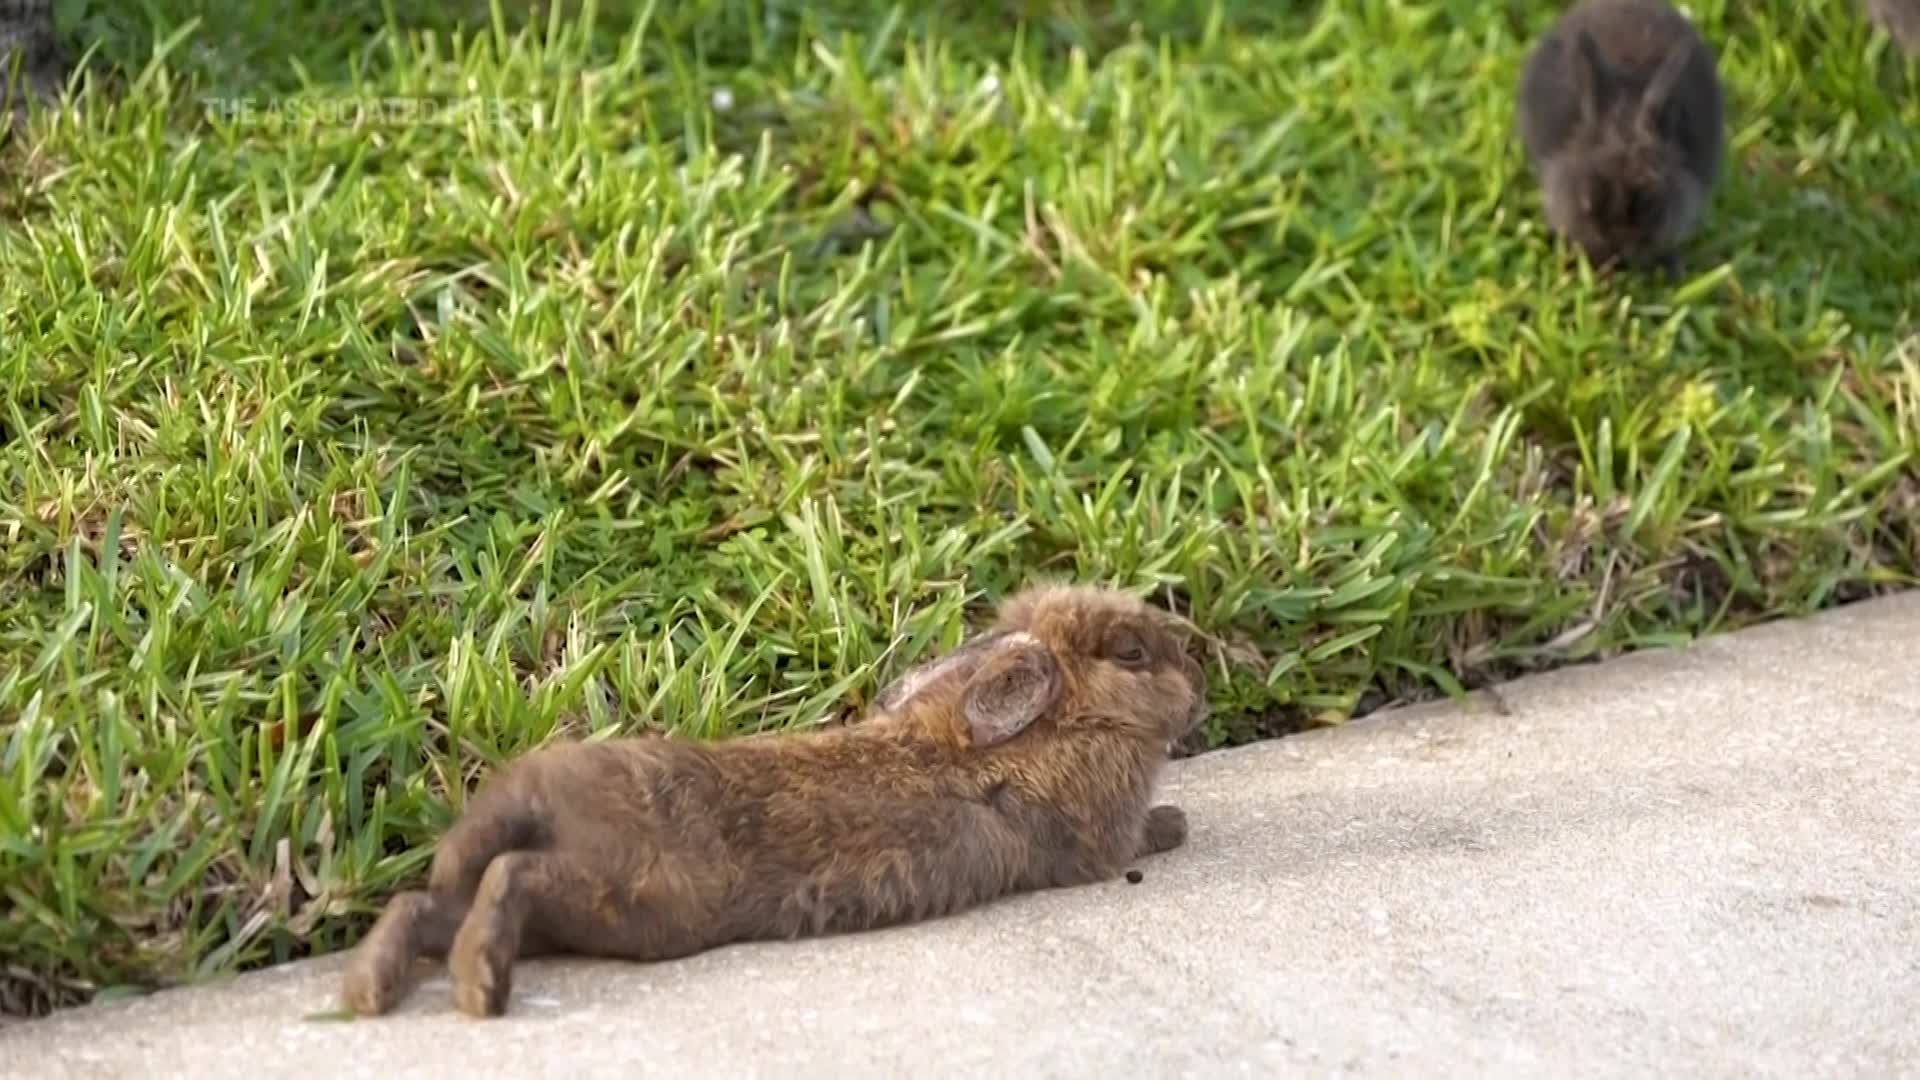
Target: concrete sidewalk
{"points": [[1694, 863]]}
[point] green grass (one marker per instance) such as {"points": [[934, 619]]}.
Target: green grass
{"points": [[340, 462]]}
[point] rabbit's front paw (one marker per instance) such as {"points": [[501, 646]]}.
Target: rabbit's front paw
{"points": [[1166, 830]]}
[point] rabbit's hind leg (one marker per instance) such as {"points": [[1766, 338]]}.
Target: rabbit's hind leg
{"points": [[414, 924], [555, 901], [497, 822]]}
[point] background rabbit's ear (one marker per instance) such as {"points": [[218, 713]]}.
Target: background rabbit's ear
{"points": [[1660, 87], [901, 691], [1012, 689], [1592, 76]]}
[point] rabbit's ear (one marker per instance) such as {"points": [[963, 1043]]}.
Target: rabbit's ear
{"points": [[916, 680], [1660, 87], [1012, 689], [1592, 77]]}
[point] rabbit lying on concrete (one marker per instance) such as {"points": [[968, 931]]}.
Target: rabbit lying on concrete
{"points": [[1029, 765]]}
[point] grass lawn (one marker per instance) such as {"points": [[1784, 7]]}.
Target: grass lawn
{"points": [[750, 347]]}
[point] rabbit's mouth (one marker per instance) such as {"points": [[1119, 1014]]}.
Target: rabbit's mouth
{"points": [[1194, 718], [1197, 712]]}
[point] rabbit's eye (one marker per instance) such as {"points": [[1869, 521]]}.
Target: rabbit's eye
{"points": [[1639, 205], [1124, 647]]}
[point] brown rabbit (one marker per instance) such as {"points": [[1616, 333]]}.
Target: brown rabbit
{"points": [[1032, 771]]}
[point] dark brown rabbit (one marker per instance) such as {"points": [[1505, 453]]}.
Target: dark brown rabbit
{"points": [[1624, 124], [1900, 19], [1032, 771], [33, 65]]}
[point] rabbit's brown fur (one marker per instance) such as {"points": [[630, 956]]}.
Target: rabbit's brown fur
{"points": [[1032, 771]]}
